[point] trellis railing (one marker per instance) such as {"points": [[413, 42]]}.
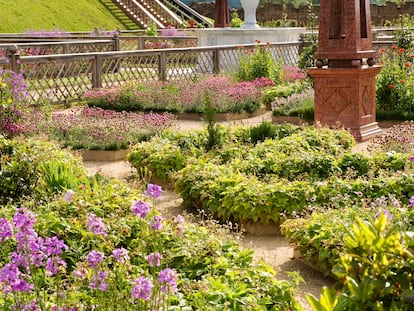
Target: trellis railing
{"points": [[67, 47], [65, 77], [48, 46]]}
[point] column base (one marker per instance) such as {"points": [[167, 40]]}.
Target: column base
{"points": [[365, 132]]}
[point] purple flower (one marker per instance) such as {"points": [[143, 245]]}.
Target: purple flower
{"points": [[385, 212], [156, 223], [53, 265], [5, 230], [168, 280], [24, 220], [68, 197], [154, 259], [54, 246], [153, 191], [80, 273], [412, 158], [98, 281], [140, 208], [8, 275], [95, 258], [32, 306], [20, 260], [179, 219], [120, 254], [96, 225], [20, 285], [142, 288], [411, 201]]}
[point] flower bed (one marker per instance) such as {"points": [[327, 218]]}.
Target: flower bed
{"points": [[225, 95], [87, 243], [245, 180], [96, 129]]}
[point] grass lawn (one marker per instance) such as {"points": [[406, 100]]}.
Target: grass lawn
{"points": [[79, 15]]}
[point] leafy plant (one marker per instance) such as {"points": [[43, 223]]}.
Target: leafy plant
{"points": [[375, 269], [258, 62], [235, 20], [35, 169], [394, 82], [13, 93]]}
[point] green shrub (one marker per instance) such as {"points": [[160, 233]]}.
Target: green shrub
{"points": [[235, 21], [160, 156], [281, 90], [34, 168], [376, 268], [359, 163], [257, 63]]}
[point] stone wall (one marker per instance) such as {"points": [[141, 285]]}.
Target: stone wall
{"points": [[268, 12]]}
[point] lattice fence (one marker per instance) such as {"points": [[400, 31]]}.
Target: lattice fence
{"points": [[62, 78]]}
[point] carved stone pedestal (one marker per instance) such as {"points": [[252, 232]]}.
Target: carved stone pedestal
{"points": [[346, 97]]}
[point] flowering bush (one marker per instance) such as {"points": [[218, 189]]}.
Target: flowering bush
{"points": [[226, 96], [398, 138], [395, 82], [13, 94], [97, 129], [104, 246], [258, 62]]}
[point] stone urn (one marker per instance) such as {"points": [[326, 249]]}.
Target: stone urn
{"points": [[249, 8]]}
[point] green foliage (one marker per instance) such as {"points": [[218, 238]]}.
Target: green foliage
{"points": [[394, 82], [303, 108], [306, 59], [151, 30], [215, 138], [281, 90], [160, 156], [85, 16], [279, 23], [249, 176], [213, 271], [258, 62], [235, 20], [375, 269], [35, 168]]}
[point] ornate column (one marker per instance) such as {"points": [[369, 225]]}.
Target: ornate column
{"points": [[221, 14], [249, 8], [345, 87]]}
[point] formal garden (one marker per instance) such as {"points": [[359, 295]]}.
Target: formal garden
{"points": [[73, 241]]}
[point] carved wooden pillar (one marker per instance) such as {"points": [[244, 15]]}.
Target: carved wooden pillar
{"points": [[345, 88]]}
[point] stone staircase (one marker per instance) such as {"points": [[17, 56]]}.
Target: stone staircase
{"points": [[161, 13]]}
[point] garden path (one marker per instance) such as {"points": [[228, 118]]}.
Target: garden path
{"points": [[274, 250]]}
